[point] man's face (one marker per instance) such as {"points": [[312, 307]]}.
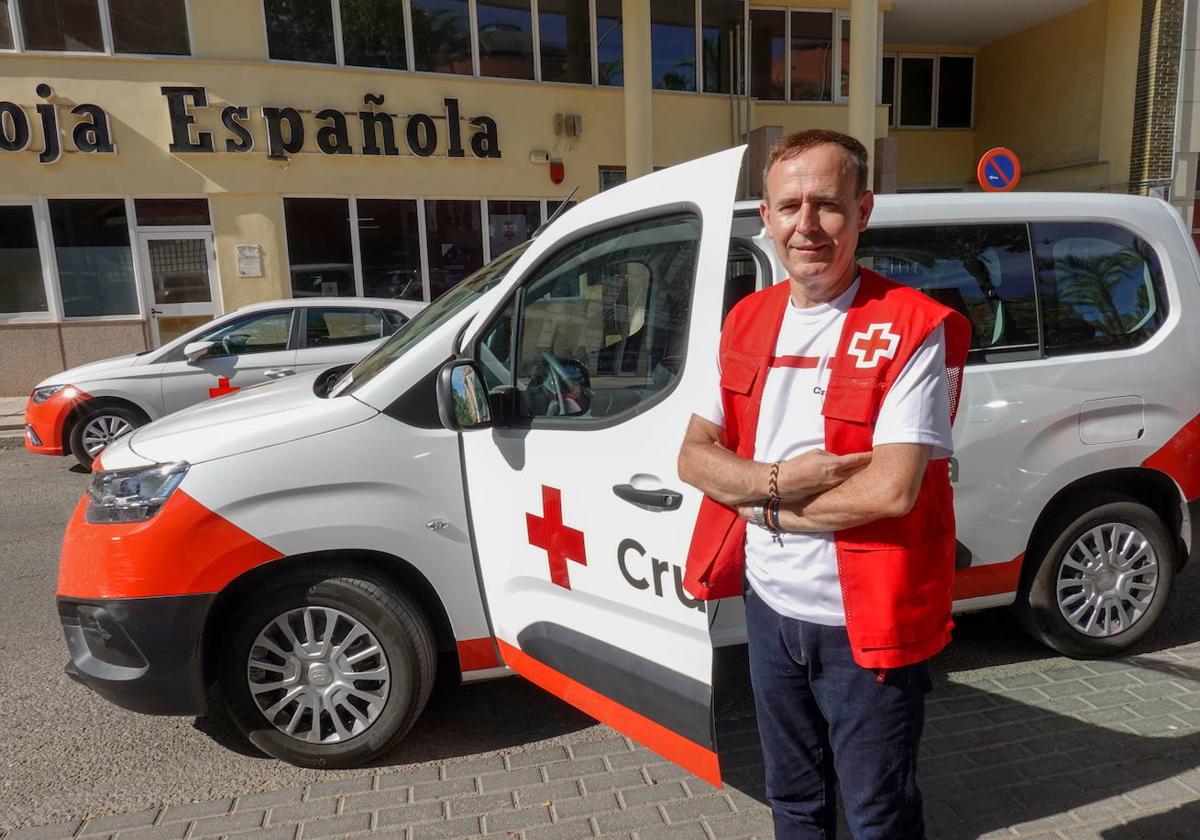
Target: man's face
{"points": [[813, 215]]}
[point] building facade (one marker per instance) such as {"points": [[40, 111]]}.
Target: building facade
{"points": [[164, 161]]}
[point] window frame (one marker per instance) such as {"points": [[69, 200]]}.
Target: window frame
{"points": [[140, 279], [422, 232], [835, 34], [45, 243], [935, 87], [516, 299], [106, 33]]}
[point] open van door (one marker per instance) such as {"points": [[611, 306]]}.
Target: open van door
{"points": [[581, 522]]}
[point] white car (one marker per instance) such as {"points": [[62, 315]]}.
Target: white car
{"points": [[498, 480], [83, 409]]}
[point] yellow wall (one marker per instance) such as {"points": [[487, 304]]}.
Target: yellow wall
{"points": [[1120, 84]]}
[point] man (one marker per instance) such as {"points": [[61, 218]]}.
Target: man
{"points": [[823, 463]]}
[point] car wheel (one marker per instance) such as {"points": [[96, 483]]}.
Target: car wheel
{"points": [[1102, 580], [328, 672], [98, 427]]}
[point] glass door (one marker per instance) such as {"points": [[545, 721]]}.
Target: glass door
{"points": [[182, 281]]}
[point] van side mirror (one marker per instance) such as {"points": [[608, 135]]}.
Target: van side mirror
{"points": [[462, 396], [194, 351]]}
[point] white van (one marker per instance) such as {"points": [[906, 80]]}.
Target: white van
{"points": [[497, 483]]}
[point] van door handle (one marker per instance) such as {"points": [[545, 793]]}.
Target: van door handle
{"points": [[660, 499], [278, 373]]}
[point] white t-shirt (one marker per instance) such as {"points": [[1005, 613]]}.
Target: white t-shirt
{"points": [[800, 579]]}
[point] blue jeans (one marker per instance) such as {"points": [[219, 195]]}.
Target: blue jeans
{"points": [[822, 719]]}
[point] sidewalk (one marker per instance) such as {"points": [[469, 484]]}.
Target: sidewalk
{"points": [[12, 413], [1106, 749]]}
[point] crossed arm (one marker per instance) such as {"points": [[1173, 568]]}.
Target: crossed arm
{"points": [[819, 491]]}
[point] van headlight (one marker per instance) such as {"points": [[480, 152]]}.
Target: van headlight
{"points": [[40, 395], [132, 495]]}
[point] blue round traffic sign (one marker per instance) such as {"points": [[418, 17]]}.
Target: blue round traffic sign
{"points": [[998, 170]]}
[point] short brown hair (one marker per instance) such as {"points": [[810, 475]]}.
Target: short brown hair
{"points": [[790, 145]]}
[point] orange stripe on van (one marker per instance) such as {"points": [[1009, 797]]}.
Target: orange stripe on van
{"points": [[185, 549], [990, 579], [1180, 458], [477, 654], [670, 745]]}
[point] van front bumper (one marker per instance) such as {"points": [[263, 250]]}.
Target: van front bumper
{"points": [[144, 654]]}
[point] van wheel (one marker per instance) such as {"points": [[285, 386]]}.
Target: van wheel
{"points": [[1103, 580], [96, 428], [329, 672]]}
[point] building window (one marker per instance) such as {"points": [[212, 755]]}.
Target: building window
{"points": [[720, 44], [673, 44], [95, 262], [319, 249], [442, 36], [389, 237], [454, 242], [300, 30], [611, 176], [887, 93], [931, 90], [811, 59], [565, 29], [844, 62], [373, 34], [505, 30], [22, 286], [6, 32], [956, 81], [768, 53], [610, 49], [147, 27], [510, 223]]}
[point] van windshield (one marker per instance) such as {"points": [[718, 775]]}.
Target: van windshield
{"points": [[428, 320]]}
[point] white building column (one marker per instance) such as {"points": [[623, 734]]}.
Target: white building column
{"points": [[639, 116], [864, 72]]}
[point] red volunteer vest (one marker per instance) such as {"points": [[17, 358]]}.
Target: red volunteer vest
{"points": [[896, 573]]}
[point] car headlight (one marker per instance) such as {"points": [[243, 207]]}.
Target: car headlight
{"points": [[40, 395], [132, 495]]}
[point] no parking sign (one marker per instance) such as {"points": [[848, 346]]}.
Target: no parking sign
{"points": [[999, 170]]}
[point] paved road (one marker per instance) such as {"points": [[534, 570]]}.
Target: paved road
{"points": [[1020, 742]]}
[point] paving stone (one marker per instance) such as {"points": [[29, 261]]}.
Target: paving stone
{"points": [[1157, 690], [708, 806], [240, 821], [475, 767], [412, 776], [196, 810], [521, 818], [1071, 672], [340, 788], [645, 816], [618, 779], [590, 805], [1161, 793], [573, 769], [283, 832], [1029, 696], [634, 759], [1163, 725], [482, 804], [656, 794], [1053, 822], [606, 747], [58, 831], [107, 825], [573, 830], [305, 811], [268, 798], [440, 790], [554, 792], [699, 787], [742, 825], [375, 800], [686, 831], [173, 831], [1118, 679], [666, 772], [465, 827], [336, 827], [418, 812], [546, 755], [495, 782], [1015, 681]]}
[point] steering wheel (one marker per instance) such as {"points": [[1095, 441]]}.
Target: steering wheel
{"points": [[556, 376]]}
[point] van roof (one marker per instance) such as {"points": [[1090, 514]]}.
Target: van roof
{"points": [[355, 302], [966, 205]]}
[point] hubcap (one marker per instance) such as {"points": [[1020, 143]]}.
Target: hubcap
{"points": [[1107, 579], [103, 430], [318, 675]]}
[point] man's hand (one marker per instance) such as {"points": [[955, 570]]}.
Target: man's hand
{"points": [[816, 471]]}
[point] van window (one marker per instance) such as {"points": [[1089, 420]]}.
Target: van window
{"points": [[1101, 287], [601, 327], [330, 327], [983, 271]]}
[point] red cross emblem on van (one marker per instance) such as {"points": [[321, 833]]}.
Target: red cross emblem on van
{"points": [[878, 342], [560, 543]]}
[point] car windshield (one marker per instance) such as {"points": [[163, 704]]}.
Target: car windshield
{"points": [[427, 320]]}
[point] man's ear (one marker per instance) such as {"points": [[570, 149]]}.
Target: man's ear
{"points": [[764, 211], [866, 204]]}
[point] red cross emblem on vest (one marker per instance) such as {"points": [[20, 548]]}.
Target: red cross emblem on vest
{"points": [[878, 342], [561, 543], [223, 388]]}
